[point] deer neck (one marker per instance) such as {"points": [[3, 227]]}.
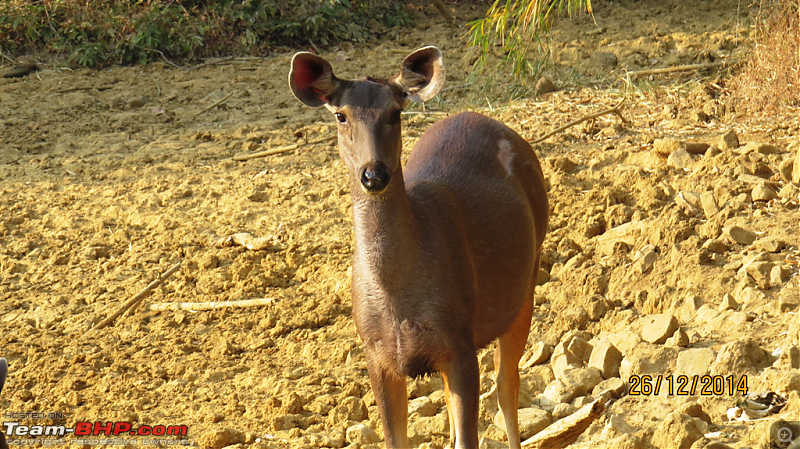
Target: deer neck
{"points": [[386, 235]]}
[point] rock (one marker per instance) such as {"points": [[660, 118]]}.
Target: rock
{"points": [[362, 434], [545, 86], [580, 347], [349, 409], [488, 443], [580, 401], [564, 410], [749, 295], [785, 169], [602, 60], [596, 307], [606, 358], [777, 276], [495, 432], [688, 308], [696, 147], [695, 410], [762, 192], [580, 381], [679, 339], [709, 204], [563, 359], [728, 303], [558, 392], [647, 359], [715, 246], [789, 358], [790, 191], [695, 362], [531, 421], [423, 406], [677, 431], [217, 439], [759, 271], [796, 168], [657, 328], [688, 200], [789, 298], [729, 141], [741, 356], [667, 146], [562, 163], [739, 235], [421, 429], [770, 244], [538, 354], [680, 159], [644, 259], [763, 148], [615, 387]]}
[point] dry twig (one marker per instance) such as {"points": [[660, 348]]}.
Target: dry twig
{"points": [[198, 306], [245, 157], [135, 300], [214, 104], [679, 68], [76, 89], [614, 110]]}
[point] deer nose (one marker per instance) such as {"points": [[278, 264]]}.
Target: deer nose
{"points": [[375, 177]]}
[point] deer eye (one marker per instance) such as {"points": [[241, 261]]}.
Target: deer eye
{"points": [[341, 118]]}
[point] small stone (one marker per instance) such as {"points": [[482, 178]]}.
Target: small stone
{"points": [[644, 259], [790, 191], [695, 362], [362, 434], [729, 141], [695, 410], [580, 401], [760, 272], [789, 298], [739, 235], [715, 246], [423, 406], [677, 431], [667, 146], [679, 339], [762, 192], [789, 358], [740, 356], [785, 169], [688, 200], [759, 147], [531, 421], [564, 410], [796, 168], [217, 439], [657, 328], [538, 354], [137, 103], [563, 359], [770, 244], [614, 386], [580, 347], [777, 275], [749, 295], [606, 358], [680, 159], [580, 381], [488, 443], [557, 392], [709, 204], [728, 303], [545, 86], [696, 147]]}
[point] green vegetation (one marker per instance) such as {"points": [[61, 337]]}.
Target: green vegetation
{"points": [[519, 28], [137, 31]]}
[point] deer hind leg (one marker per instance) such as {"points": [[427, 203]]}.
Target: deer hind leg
{"points": [[449, 412], [510, 347], [391, 398]]}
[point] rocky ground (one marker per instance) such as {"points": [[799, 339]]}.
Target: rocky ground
{"points": [[672, 248]]}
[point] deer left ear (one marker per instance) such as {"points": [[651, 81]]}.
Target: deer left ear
{"points": [[312, 80], [421, 74]]}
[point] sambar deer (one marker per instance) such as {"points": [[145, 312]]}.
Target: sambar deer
{"points": [[446, 249]]}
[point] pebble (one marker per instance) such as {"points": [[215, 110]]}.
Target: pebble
{"points": [[545, 86], [217, 439], [770, 244], [538, 354], [788, 299], [715, 246], [606, 358], [362, 434], [644, 259], [563, 359], [679, 339], [749, 295], [615, 387], [488, 443], [729, 141], [696, 147], [785, 169], [580, 401], [557, 392], [676, 431], [759, 147], [790, 191], [778, 275], [423, 406], [680, 158], [760, 272], [739, 356], [739, 235], [728, 303], [762, 192], [564, 410], [709, 204], [580, 347], [695, 361], [581, 381], [657, 328], [688, 200]]}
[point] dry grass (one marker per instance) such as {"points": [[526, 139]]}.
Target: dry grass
{"points": [[770, 79]]}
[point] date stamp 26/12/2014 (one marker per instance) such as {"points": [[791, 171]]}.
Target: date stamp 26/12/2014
{"points": [[647, 385]]}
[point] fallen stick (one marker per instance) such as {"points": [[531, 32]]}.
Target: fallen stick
{"points": [[614, 110], [565, 432], [75, 89], [214, 104], [678, 68], [245, 157], [139, 296], [204, 64], [199, 306]]}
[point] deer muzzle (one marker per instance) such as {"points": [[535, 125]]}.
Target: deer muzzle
{"points": [[374, 177]]}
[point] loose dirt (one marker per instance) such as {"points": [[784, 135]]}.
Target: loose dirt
{"points": [[109, 177]]}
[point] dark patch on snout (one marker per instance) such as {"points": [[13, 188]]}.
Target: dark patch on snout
{"points": [[375, 177]]}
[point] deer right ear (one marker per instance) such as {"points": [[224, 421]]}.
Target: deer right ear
{"points": [[312, 80]]}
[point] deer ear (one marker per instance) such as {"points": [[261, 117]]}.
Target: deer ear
{"points": [[421, 74], [311, 79]]}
